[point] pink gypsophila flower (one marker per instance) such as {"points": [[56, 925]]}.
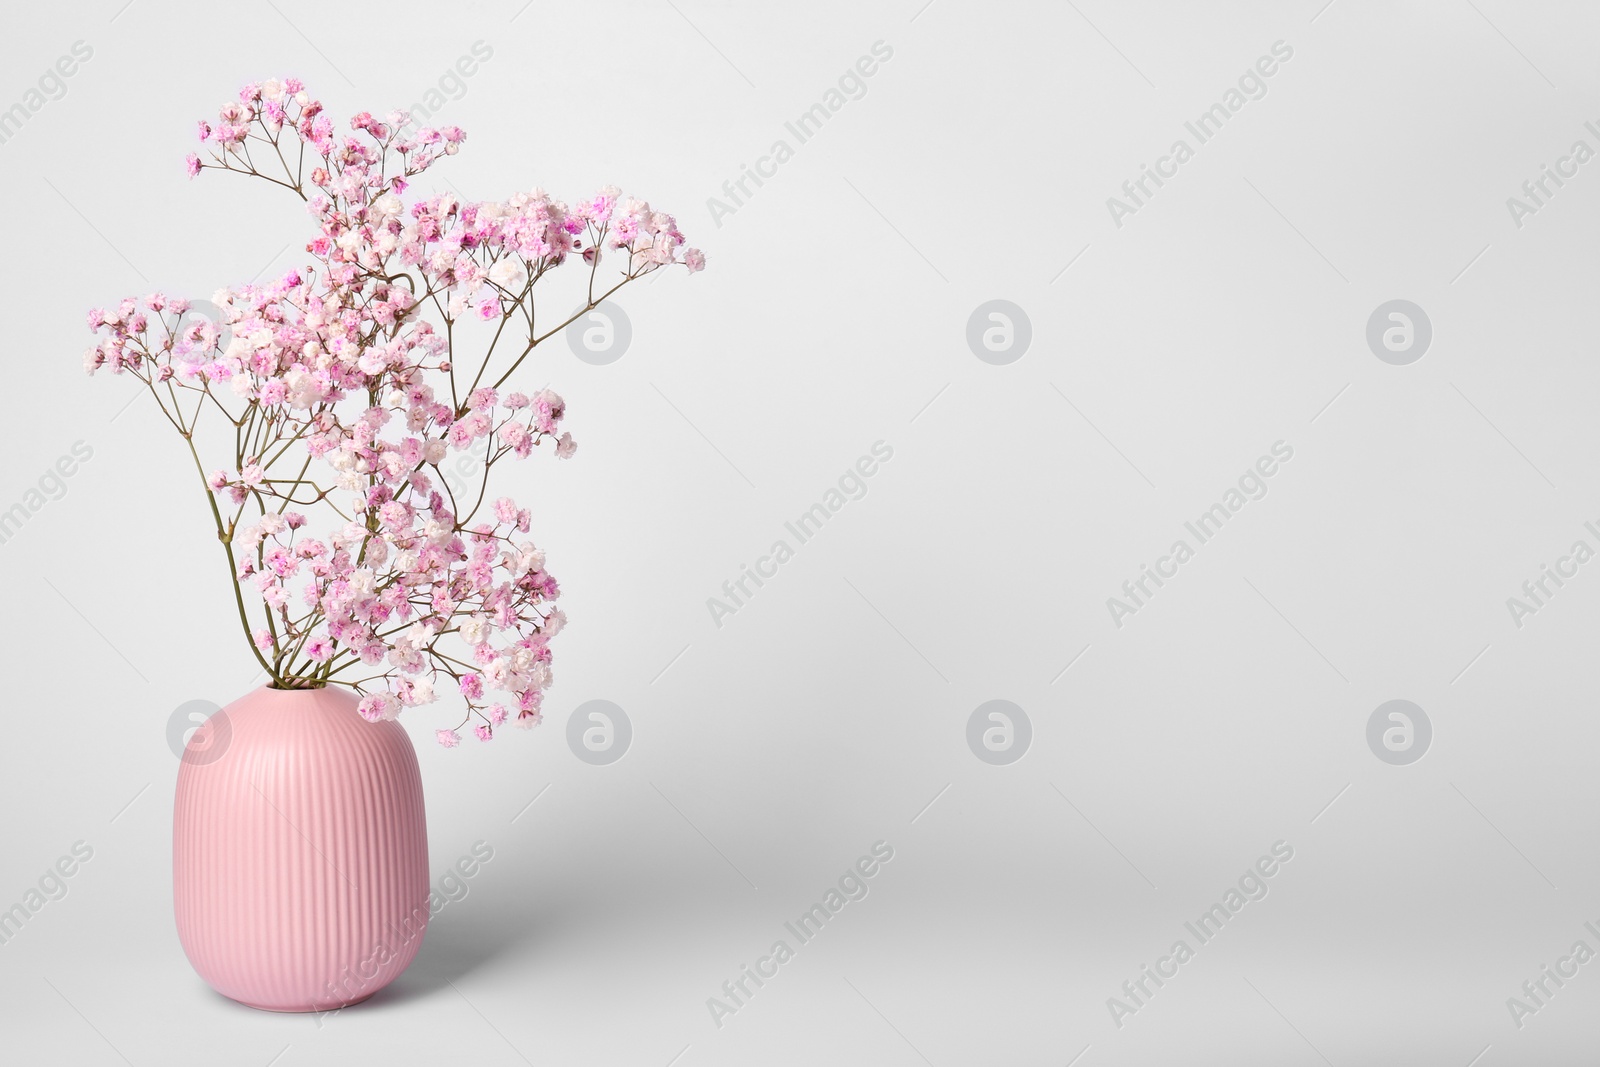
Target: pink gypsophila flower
{"points": [[350, 422]]}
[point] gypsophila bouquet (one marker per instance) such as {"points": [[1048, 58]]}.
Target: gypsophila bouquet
{"points": [[344, 386]]}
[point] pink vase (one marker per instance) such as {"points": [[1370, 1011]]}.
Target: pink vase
{"points": [[299, 851]]}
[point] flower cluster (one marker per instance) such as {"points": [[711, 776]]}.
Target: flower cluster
{"points": [[345, 386]]}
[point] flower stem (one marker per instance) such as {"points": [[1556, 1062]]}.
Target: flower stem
{"points": [[226, 538]]}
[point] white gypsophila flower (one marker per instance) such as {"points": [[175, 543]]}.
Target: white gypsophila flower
{"points": [[302, 388], [508, 273], [495, 674]]}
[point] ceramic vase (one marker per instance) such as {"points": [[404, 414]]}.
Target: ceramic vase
{"points": [[299, 851]]}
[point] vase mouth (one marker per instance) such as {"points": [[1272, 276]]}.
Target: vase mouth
{"points": [[272, 688]]}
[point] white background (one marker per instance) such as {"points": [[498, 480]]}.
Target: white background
{"points": [[831, 711]]}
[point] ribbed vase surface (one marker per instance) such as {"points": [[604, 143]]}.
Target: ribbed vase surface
{"points": [[299, 851]]}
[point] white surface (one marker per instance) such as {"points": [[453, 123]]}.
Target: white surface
{"points": [[825, 715]]}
